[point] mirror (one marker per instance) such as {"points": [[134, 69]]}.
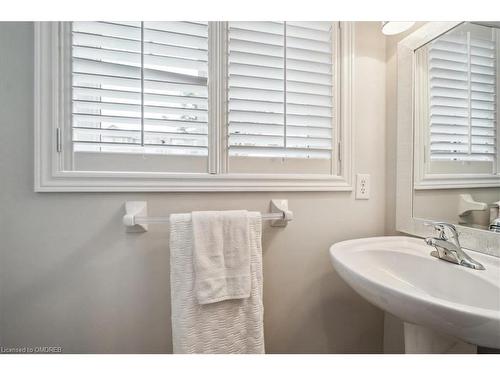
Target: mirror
{"points": [[456, 158]]}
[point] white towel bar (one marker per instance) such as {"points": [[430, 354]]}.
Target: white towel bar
{"points": [[136, 217]]}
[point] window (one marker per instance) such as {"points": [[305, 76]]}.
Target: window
{"points": [[192, 106], [114, 63], [281, 96], [139, 88]]}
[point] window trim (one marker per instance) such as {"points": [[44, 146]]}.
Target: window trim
{"points": [[51, 114]]}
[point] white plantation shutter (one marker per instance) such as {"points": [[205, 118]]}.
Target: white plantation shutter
{"points": [[140, 87], [280, 84], [462, 72]]}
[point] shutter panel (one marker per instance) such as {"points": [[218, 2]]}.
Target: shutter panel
{"points": [[483, 92], [280, 89], [140, 87], [255, 88], [309, 88], [462, 74]]}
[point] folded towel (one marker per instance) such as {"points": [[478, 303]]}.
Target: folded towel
{"points": [[221, 255], [231, 326]]}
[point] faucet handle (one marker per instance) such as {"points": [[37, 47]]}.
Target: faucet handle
{"points": [[440, 226]]}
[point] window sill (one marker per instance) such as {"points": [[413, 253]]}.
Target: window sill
{"points": [[192, 182]]}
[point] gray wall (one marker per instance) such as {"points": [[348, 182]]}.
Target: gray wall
{"points": [[71, 277]]}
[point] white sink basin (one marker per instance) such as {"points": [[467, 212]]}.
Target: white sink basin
{"points": [[398, 275]]}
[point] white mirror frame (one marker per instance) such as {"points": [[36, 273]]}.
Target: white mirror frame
{"points": [[471, 238]]}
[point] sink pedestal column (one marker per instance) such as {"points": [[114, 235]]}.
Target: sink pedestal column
{"points": [[423, 340]]}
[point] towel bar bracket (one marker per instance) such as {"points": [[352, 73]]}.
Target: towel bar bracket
{"points": [[136, 217], [135, 209], [281, 206]]}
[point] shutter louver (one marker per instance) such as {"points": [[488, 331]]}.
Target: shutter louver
{"points": [[280, 89], [462, 77], [140, 87]]}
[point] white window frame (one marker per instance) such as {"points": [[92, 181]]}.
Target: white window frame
{"points": [[424, 179], [53, 116]]}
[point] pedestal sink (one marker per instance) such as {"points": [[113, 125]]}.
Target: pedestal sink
{"points": [[398, 275]]}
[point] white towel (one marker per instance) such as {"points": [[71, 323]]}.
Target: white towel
{"points": [[231, 326], [221, 255]]}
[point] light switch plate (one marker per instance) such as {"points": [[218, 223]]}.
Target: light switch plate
{"points": [[362, 186]]}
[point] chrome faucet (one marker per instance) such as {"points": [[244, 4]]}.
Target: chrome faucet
{"points": [[448, 248]]}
